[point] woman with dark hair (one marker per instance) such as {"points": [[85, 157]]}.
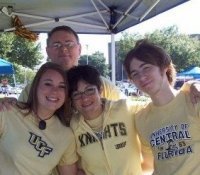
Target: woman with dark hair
{"points": [[31, 134], [104, 130]]}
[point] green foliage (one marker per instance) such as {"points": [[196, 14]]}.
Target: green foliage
{"points": [[5, 44], [21, 53], [126, 43], [97, 60], [19, 50], [25, 53], [183, 49], [23, 75]]}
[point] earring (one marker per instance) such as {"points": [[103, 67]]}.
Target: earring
{"points": [[74, 110]]}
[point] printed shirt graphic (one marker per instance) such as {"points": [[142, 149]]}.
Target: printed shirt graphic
{"points": [[171, 141], [25, 149], [114, 150], [172, 133]]}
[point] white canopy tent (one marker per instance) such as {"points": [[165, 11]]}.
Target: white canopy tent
{"points": [[84, 16]]}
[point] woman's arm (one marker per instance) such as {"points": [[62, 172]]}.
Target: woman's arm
{"points": [[147, 163], [68, 169], [193, 87], [146, 159]]}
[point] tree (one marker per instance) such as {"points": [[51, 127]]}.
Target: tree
{"points": [[183, 49], [126, 43], [97, 60], [5, 44], [19, 50], [23, 54], [23, 74]]}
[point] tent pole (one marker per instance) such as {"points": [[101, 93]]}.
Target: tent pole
{"points": [[113, 56], [14, 80]]}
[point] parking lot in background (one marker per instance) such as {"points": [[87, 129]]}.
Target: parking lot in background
{"points": [[9, 91], [128, 88], [9, 95]]}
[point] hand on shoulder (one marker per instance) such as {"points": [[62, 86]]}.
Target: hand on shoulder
{"points": [[6, 103]]}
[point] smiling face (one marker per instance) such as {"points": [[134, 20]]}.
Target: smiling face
{"points": [[147, 77], [50, 93], [89, 103], [63, 55]]}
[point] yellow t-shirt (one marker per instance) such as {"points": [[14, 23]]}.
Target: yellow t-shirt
{"points": [[115, 150], [27, 150], [110, 91], [172, 133]]}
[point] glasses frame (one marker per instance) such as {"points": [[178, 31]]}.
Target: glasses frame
{"points": [[77, 95], [67, 44]]}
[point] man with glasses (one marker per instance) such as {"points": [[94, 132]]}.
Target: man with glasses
{"points": [[64, 48]]}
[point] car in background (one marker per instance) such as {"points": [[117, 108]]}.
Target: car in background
{"points": [[127, 88], [4, 89], [131, 90], [180, 81], [14, 90], [178, 84], [10, 90]]}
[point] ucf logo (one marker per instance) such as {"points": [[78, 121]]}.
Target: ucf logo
{"points": [[39, 145]]}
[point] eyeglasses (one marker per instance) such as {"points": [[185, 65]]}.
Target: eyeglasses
{"points": [[88, 92], [67, 44]]}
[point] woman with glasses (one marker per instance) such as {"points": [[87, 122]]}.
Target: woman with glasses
{"points": [[104, 130]]}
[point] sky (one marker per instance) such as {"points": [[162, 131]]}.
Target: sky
{"points": [[185, 16]]}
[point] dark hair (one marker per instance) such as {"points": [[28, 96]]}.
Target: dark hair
{"points": [[153, 54], [64, 112], [86, 73], [62, 28]]}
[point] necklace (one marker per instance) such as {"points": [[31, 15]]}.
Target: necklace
{"points": [[42, 125]]}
